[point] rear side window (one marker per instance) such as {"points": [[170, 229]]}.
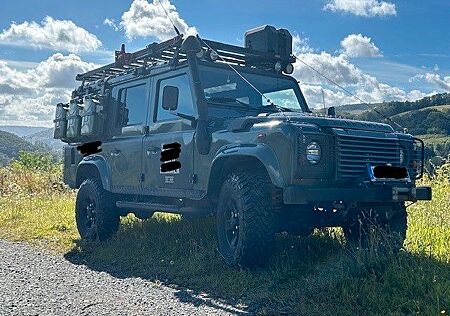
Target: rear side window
{"points": [[133, 100], [185, 103]]}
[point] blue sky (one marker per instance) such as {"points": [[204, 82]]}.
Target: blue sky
{"points": [[381, 50]]}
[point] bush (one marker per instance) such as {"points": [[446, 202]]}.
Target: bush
{"points": [[31, 174]]}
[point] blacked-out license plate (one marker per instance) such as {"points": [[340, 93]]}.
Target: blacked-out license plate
{"points": [[388, 172]]}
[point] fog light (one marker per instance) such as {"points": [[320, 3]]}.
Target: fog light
{"points": [[313, 152]]}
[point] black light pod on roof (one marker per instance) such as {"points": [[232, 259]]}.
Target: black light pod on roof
{"points": [[268, 39]]}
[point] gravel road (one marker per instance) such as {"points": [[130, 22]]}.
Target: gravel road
{"points": [[34, 282]]}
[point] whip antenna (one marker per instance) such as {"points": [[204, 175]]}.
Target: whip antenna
{"points": [[168, 16]]}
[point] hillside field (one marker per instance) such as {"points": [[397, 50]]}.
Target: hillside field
{"points": [[315, 275]]}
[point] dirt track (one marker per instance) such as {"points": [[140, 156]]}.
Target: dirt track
{"points": [[34, 282]]}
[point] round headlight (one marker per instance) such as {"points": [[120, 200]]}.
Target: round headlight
{"points": [[402, 156], [313, 152]]}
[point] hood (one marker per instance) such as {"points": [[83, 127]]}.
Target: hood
{"points": [[243, 123]]}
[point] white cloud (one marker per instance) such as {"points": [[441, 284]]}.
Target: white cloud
{"points": [[111, 23], [53, 34], [366, 8], [443, 83], [29, 96], [149, 19], [339, 69], [357, 45], [59, 71], [301, 44]]}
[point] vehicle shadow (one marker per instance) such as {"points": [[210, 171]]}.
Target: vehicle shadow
{"points": [[183, 256]]}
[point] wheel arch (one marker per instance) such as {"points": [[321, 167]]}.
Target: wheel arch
{"points": [[242, 158], [93, 168]]}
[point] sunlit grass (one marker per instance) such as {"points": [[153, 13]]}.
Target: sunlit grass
{"points": [[316, 275]]}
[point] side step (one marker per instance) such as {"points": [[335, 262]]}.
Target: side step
{"points": [[142, 206]]}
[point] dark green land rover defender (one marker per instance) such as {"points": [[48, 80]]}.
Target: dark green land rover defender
{"points": [[193, 126]]}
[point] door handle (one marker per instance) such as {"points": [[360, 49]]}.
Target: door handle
{"points": [[153, 151], [115, 152]]}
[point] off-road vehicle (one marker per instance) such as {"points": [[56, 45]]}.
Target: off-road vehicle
{"points": [[194, 126]]}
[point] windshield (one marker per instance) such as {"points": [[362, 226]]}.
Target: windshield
{"points": [[226, 86]]}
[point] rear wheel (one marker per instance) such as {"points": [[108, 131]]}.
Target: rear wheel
{"points": [[376, 229], [245, 220], [96, 215]]}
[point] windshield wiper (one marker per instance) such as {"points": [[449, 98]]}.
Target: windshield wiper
{"points": [[227, 100], [279, 107]]}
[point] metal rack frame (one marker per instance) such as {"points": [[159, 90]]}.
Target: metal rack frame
{"points": [[170, 52]]}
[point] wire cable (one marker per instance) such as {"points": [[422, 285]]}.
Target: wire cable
{"points": [[237, 72], [349, 92]]}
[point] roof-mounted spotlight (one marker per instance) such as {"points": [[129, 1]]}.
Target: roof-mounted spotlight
{"points": [[289, 69], [278, 66], [201, 54], [213, 55]]}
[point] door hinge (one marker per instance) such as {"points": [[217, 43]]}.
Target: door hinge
{"points": [[142, 177], [193, 178]]}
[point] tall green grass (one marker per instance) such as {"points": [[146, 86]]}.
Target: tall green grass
{"points": [[316, 275]]}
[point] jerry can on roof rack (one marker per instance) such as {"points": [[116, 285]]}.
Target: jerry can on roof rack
{"points": [[74, 121], [60, 121], [92, 118]]}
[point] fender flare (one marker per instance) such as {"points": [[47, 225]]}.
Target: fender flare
{"points": [[261, 152], [101, 166]]}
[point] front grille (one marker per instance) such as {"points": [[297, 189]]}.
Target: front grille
{"points": [[356, 153]]}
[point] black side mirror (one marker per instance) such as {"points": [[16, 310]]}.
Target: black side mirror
{"points": [[170, 98], [331, 111]]}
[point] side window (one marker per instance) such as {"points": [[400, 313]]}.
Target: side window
{"points": [[185, 104], [134, 102]]}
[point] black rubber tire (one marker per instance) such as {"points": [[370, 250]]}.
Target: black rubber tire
{"points": [[96, 215], [250, 197], [382, 231]]}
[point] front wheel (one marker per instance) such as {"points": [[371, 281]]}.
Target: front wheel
{"points": [[245, 220], [95, 213], [376, 229]]}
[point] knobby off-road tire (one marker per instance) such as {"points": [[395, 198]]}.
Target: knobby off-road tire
{"points": [[245, 220], [96, 215], [377, 230]]}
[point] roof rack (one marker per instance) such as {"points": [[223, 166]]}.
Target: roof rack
{"points": [[169, 51], [153, 53]]}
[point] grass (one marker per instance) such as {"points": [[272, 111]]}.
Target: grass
{"points": [[314, 275]]}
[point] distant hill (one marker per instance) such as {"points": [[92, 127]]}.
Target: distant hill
{"points": [[11, 145], [428, 118], [21, 130], [355, 109], [430, 115], [45, 137]]}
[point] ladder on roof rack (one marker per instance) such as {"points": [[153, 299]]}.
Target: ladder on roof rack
{"points": [[170, 49]]}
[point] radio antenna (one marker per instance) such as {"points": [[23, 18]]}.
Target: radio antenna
{"points": [[168, 16]]}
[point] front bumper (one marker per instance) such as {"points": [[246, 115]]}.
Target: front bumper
{"points": [[367, 194]]}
